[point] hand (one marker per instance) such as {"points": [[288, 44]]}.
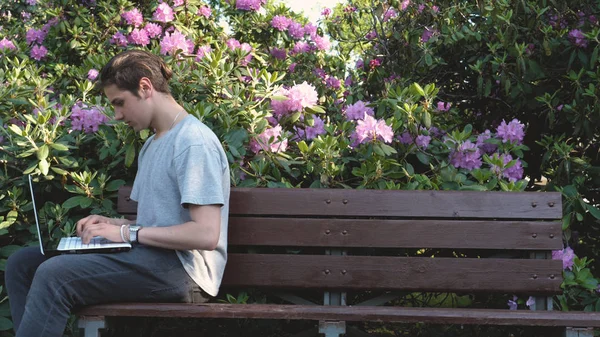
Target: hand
{"points": [[97, 225]]}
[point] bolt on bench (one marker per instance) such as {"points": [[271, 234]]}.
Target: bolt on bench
{"points": [[329, 231]]}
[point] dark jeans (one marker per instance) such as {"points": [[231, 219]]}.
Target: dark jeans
{"points": [[44, 291]]}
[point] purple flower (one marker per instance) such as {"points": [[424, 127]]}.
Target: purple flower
{"points": [[86, 119], [530, 301], [512, 304], [577, 38], [443, 106], [512, 132], [423, 141], [512, 173], [292, 67], [31, 2], [35, 36], [177, 3], [405, 138], [486, 147], [358, 110], [300, 47], [279, 53], [302, 96], [139, 37], [359, 64], [205, 11], [427, 34], [326, 12], [153, 30], [371, 35], [296, 30], [249, 5], [164, 13], [320, 72], [92, 74], [567, 256], [133, 17], [311, 132], [390, 13], [280, 22], [119, 39], [38, 52], [7, 44], [467, 156], [404, 4], [310, 29], [332, 82]]}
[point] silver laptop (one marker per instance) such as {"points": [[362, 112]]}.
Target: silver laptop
{"points": [[74, 244]]}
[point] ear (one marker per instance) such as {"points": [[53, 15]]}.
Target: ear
{"points": [[145, 87]]}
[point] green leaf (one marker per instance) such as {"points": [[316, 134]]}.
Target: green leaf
{"points": [[129, 155], [85, 202], [43, 152], [423, 158], [594, 211], [16, 130], [59, 147], [44, 166], [303, 147], [415, 87], [114, 185], [73, 202], [6, 251], [5, 324], [316, 109]]}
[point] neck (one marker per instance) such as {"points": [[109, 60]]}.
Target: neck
{"points": [[167, 116]]}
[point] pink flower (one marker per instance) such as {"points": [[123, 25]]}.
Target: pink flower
{"points": [[38, 52], [164, 13], [269, 140], [300, 47], [374, 63], [404, 4], [233, 44], [280, 22], [153, 30], [369, 130], [530, 301], [172, 42], [310, 29], [322, 42], [133, 17], [292, 67], [205, 11], [6, 44], [92, 74], [302, 96], [139, 37], [390, 14], [326, 12], [177, 3], [202, 51], [443, 106]]}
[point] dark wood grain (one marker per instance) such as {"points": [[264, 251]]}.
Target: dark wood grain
{"points": [[255, 231], [343, 313], [386, 203], [394, 273]]}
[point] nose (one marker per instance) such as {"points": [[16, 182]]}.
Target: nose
{"points": [[118, 114]]}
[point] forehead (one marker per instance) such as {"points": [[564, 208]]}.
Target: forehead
{"points": [[113, 93]]}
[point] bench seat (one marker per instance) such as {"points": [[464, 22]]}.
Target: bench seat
{"points": [[349, 313]]}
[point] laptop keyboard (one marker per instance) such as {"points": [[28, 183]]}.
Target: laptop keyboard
{"points": [[75, 243]]}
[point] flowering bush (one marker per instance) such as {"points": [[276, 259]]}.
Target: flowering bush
{"points": [[407, 95]]}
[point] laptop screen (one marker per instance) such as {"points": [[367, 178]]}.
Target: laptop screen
{"points": [[37, 223]]}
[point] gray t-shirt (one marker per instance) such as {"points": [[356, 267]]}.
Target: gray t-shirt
{"points": [[187, 165]]}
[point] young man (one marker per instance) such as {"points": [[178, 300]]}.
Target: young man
{"points": [[180, 235]]}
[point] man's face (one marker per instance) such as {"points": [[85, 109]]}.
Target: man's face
{"points": [[128, 108]]}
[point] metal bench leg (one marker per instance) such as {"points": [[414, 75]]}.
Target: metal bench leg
{"points": [[579, 332], [91, 325], [331, 328]]}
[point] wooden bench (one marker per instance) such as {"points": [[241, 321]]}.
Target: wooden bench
{"points": [[381, 241]]}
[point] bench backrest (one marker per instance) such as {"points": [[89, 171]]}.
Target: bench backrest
{"points": [[281, 237]]}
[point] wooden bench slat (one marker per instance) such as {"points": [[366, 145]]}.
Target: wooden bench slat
{"points": [[394, 273], [344, 313], [385, 203], [254, 231]]}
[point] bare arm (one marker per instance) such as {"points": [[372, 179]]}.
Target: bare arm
{"points": [[202, 232]]}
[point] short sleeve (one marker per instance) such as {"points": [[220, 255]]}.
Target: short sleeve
{"points": [[200, 172]]}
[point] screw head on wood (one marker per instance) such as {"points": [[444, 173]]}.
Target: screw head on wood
{"points": [[327, 231], [535, 276], [534, 235], [326, 271], [551, 204], [328, 201], [344, 232], [345, 201]]}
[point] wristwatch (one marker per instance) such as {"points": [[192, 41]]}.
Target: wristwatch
{"points": [[133, 233]]}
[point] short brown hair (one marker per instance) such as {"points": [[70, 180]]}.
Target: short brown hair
{"points": [[127, 68]]}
